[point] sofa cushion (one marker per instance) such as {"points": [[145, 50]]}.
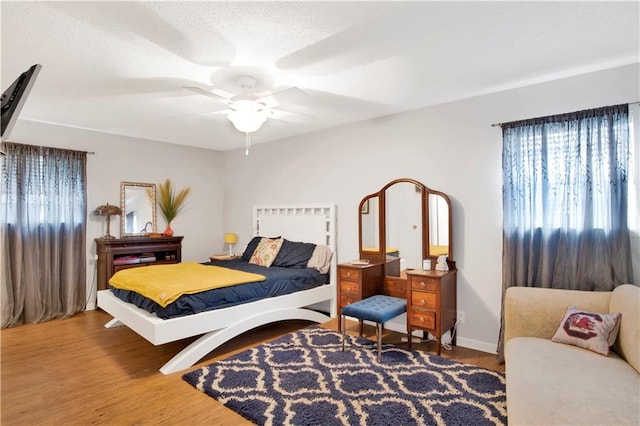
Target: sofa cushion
{"points": [[594, 331], [626, 300], [552, 384]]}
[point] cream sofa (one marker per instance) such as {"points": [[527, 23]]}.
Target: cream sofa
{"points": [[554, 383]]}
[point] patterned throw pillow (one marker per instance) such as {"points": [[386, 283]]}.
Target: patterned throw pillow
{"points": [[596, 332], [266, 251]]}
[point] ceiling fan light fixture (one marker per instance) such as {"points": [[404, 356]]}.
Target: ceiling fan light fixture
{"points": [[247, 121]]}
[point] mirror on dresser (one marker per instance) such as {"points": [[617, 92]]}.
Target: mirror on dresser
{"points": [[138, 204], [370, 224], [413, 224], [439, 225], [403, 223]]}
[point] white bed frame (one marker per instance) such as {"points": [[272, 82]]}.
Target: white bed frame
{"points": [[313, 223]]}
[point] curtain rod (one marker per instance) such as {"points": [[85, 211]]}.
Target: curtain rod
{"points": [[77, 150], [500, 124]]}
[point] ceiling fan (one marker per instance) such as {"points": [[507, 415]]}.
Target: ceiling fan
{"points": [[248, 111]]}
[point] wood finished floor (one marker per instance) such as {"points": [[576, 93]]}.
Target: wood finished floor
{"points": [[74, 371]]}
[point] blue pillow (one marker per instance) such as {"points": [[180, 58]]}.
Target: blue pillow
{"points": [[293, 254]]}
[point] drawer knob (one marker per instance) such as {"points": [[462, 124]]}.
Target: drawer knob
{"points": [[422, 319], [348, 274], [422, 302], [422, 284]]}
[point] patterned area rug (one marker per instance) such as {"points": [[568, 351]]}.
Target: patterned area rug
{"points": [[304, 378]]}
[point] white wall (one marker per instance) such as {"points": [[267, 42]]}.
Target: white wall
{"points": [[118, 159], [450, 148]]}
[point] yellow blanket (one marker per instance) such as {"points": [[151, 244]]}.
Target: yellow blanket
{"points": [[165, 283]]}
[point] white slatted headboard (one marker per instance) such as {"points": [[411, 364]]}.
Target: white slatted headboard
{"points": [[310, 223]]}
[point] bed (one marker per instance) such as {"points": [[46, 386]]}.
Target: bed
{"points": [[314, 223]]}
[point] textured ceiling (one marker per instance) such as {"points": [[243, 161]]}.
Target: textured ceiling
{"points": [[121, 67]]}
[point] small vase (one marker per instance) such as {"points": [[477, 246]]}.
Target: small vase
{"points": [[168, 232]]}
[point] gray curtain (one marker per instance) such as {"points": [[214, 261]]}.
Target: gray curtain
{"points": [[565, 202], [43, 223]]}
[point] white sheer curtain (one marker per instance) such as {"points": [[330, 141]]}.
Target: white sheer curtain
{"points": [[43, 222]]}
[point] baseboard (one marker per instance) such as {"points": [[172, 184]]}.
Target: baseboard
{"points": [[399, 324], [490, 348]]}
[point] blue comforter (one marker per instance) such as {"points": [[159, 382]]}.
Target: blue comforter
{"points": [[279, 281]]}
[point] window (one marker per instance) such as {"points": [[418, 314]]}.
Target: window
{"points": [[43, 228], [559, 172]]}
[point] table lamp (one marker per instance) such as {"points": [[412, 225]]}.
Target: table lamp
{"points": [[230, 238], [108, 211]]}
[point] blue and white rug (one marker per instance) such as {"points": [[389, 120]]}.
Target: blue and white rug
{"points": [[304, 378]]}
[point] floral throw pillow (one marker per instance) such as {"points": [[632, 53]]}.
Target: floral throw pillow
{"points": [[588, 330], [266, 251]]}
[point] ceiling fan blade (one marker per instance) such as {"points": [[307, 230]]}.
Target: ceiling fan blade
{"points": [[286, 96], [292, 117], [222, 112], [204, 92]]}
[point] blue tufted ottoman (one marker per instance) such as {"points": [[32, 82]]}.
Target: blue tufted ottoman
{"points": [[378, 309]]}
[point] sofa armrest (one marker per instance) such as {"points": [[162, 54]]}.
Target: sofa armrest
{"points": [[536, 312]]}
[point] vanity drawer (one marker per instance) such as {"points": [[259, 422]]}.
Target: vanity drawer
{"points": [[425, 283], [422, 299], [350, 274], [347, 300], [350, 288], [423, 319]]}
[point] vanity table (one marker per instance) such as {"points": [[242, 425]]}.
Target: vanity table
{"points": [[401, 226]]}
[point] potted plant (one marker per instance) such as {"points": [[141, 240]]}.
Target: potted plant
{"points": [[170, 203]]}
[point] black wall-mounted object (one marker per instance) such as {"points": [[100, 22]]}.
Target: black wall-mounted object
{"points": [[14, 97]]}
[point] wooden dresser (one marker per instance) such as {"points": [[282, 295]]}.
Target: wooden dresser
{"points": [[431, 303], [357, 282], [116, 254]]}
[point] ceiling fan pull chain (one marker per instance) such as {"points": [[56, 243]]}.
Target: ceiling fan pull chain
{"points": [[246, 150]]}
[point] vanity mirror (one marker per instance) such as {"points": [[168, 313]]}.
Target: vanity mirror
{"points": [[370, 223], [138, 203], [410, 221]]}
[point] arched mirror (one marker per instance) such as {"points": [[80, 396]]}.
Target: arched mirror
{"points": [[404, 231], [414, 224], [138, 204]]}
